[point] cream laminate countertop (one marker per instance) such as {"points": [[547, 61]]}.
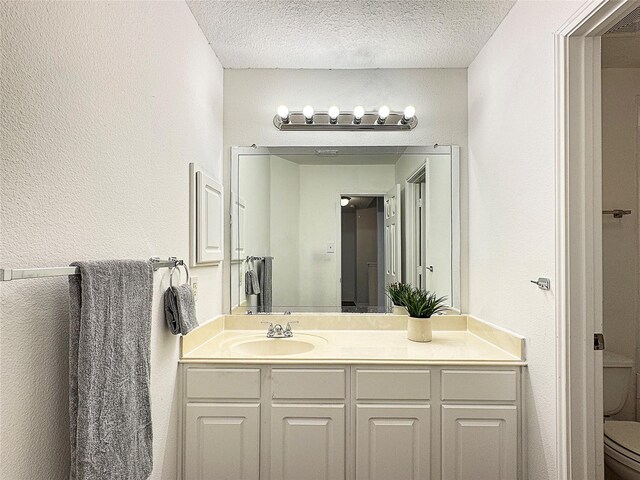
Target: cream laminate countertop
{"points": [[365, 339]]}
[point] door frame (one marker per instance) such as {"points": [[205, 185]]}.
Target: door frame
{"points": [[413, 179], [579, 426]]}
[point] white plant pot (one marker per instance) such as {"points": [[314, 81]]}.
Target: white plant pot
{"points": [[419, 329], [399, 310]]}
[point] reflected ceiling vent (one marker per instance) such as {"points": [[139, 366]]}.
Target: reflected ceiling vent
{"points": [[629, 24], [327, 153]]}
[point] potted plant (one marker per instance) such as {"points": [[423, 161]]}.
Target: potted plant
{"points": [[422, 305], [397, 292]]}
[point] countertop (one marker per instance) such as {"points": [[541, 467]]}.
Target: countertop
{"points": [[364, 339]]}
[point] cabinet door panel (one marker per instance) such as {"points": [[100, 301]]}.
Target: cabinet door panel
{"points": [[479, 442], [393, 442], [307, 442], [222, 442]]}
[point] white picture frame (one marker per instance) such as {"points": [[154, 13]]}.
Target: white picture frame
{"points": [[207, 218]]}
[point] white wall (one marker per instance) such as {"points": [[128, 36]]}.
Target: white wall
{"points": [[512, 202], [285, 240], [439, 226], [620, 237], [439, 95], [103, 107], [255, 191]]}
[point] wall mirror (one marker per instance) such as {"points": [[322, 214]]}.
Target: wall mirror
{"points": [[324, 229]]}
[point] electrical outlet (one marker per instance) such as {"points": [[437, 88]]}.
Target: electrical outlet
{"points": [[194, 287]]}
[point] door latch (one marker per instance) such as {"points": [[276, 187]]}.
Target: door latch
{"points": [[598, 341]]}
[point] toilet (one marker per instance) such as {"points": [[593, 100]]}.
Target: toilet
{"points": [[621, 438]]}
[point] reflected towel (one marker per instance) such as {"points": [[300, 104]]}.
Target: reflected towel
{"points": [[251, 284], [265, 301], [180, 309], [109, 404]]}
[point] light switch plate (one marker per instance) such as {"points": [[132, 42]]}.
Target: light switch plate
{"points": [[331, 247]]}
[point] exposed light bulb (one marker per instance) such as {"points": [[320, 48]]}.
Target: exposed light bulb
{"points": [[358, 113], [283, 113], [383, 113], [344, 201], [307, 111], [408, 114], [334, 112]]}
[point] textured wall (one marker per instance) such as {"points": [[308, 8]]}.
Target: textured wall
{"points": [[620, 237], [512, 202], [439, 95], [103, 106]]}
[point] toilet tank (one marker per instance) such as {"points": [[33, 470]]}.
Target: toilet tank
{"points": [[616, 376]]}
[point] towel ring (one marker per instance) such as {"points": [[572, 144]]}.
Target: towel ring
{"points": [[186, 269]]}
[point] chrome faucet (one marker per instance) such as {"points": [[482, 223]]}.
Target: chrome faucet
{"points": [[278, 331]]}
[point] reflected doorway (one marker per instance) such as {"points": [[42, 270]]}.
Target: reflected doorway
{"points": [[362, 253]]}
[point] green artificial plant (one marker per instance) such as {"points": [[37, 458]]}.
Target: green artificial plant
{"points": [[424, 304]]}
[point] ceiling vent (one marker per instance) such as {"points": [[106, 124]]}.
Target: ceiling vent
{"points": [[629, 24]]}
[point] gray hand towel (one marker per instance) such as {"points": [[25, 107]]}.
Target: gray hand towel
{"points": [[180, 309], [251, 284], [109, 370], [266, 281]]}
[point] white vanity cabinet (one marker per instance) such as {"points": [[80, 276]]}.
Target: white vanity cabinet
{"points": [[351, 422]]}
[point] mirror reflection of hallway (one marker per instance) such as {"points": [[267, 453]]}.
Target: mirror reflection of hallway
{"points": [[362, 253]]}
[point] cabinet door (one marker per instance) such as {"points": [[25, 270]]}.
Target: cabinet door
{"points": [[222, 441], [479, 442], [393, 442], [307, 442]]}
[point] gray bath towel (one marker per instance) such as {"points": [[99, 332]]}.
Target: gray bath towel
{"points": [[109, 404], [266, 282], [180, 309]]}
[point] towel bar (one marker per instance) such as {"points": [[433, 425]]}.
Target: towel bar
{"points": [[7, 274]]}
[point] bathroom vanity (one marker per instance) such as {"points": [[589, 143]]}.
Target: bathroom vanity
{"points": [[362, 403]]}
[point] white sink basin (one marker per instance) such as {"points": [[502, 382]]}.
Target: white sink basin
{"points": [[259, 346]]}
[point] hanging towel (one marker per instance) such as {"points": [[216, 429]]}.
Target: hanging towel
{"points": [[266, 274], [251, 284], [109, 404], [180, 309]]}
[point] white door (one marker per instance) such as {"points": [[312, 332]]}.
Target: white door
{"points": [[479, 442], [392, 236], [393, 442], [222, 442], [307, 442]]}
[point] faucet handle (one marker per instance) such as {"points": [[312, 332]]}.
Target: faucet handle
{"points": [[270, 329], [287, 330]]}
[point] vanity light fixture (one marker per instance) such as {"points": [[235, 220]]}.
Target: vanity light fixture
{"points": [[358, 113], [283, 113], [344, 201], [308, 114], [334, 119], [334, 113]]}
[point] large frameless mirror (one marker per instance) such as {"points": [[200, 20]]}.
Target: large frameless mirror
{"points": [[324, 229]]}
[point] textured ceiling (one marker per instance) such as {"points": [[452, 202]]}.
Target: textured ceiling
{"points": [[347, 33]]}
